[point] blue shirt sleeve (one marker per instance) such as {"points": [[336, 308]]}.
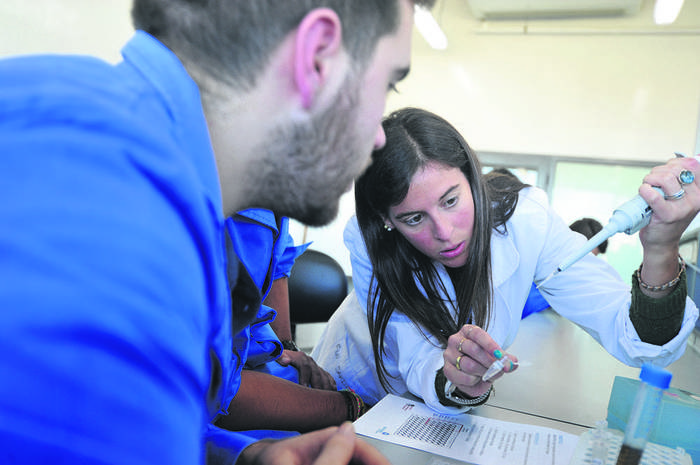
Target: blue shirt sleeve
{"points": [[113, 281]]}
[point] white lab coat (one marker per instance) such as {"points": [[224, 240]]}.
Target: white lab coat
{"points": [[590, 293]]}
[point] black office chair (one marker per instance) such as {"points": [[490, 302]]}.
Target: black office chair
{"points": [[317, 287]]}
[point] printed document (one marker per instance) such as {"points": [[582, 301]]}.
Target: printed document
{"points": [[470, 438]]}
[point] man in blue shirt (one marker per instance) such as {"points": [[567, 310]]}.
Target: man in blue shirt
{"points": [[301, 396], [117, 280], [262, 242]]}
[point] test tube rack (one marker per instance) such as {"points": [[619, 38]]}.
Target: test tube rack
{"points": [[654, 454]]}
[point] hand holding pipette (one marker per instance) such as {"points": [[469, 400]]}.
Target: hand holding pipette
{"points": [[671, 182]]}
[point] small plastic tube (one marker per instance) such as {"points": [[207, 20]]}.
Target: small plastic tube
{"points": [[599, 443], [497, 366], [646, 403]]}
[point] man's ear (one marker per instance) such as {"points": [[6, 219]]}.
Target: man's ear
{"points": [[319, 39]]}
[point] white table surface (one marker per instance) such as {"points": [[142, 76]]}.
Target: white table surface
{"points": [[566, 386], [571, 375]]}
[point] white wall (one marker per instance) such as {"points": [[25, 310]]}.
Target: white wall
{"points": [[616, 88], [632, 96], [95, 27]]}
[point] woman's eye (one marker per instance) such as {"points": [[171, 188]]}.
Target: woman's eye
{"points": [[413, 220], [451, 201]]}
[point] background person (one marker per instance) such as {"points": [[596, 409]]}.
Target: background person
{"points": [[443, 262], [589, 227], [262, 242], [274, 399]]}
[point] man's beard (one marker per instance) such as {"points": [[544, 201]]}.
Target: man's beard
{"points": [[306, 167]]}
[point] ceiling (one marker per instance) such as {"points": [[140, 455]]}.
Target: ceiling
{"points": [[458, 22]]}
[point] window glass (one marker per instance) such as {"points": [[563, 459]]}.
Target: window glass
{"points": [[526, 175]]}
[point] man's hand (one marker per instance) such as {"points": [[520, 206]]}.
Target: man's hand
{"points": [[330, 446], [310, 374]]}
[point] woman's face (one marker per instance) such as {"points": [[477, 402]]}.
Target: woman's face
{"points": [[437, 215]]}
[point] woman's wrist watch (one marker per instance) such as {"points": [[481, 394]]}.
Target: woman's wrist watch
{"points": [[451, 394]]}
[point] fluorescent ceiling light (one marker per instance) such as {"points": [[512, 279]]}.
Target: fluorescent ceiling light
{"points": [[429, 28], [666, 11]]}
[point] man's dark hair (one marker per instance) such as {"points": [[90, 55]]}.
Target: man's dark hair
{"points": [[232, 40]]}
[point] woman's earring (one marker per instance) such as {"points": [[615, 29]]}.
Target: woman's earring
{"points": [[388, 227]]}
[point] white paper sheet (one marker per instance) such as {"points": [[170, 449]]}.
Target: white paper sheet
{"points": [[470, 438]]}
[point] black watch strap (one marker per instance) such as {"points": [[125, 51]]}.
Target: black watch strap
{"points": [[290, 345]]}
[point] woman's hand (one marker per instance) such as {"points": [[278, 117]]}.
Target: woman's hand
{"points": [[468, 355], [672, 215]]}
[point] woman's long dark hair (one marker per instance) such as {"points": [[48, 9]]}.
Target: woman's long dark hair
{"points": [[404, 279]]}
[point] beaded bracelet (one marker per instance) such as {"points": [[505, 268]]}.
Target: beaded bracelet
{"points": [[356, 407], [638, 276]]}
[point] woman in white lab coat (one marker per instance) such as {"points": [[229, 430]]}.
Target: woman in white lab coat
{"points": [[443, 263]]}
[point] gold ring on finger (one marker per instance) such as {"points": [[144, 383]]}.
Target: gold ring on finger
{"points": [[457, 363], [460, 344]]}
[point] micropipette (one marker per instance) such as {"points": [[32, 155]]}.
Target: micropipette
{"points": [[629, 218]]}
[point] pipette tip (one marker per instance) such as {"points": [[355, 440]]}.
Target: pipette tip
{"points": [[551, 275]]}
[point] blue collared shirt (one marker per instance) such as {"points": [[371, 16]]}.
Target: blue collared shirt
{"points": [[268, 252], [114, 303]]}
